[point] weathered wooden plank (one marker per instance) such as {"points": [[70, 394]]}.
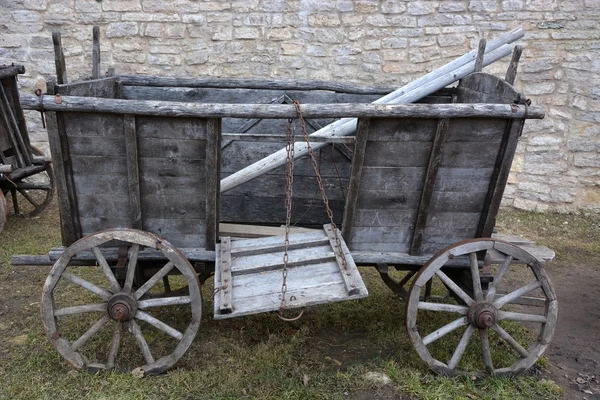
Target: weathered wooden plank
{"points": [[94, 125], [213, 181], [96, 52], [416, 154], [252, 83], [348, 270], [442, 201], [268, 261], [435, 160], [155, 126], [247, 247], [480, 54], [499, 178], [10, 127], [98, 165], [280, 111], [105, 88], [384, 217], [354, 186], [172, 148], [169, 226], [162, 205], [265, 210], [171, 167], [12, 92], [225, 271], [264, 137], [257, 231], [133, 172], [63, 170], [8, 71], [184, 185], [511, 72], [484, 88], [412, 179], [98, 146], [59, 59]]}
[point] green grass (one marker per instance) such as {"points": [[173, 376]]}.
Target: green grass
{"points": [[325, 355]]}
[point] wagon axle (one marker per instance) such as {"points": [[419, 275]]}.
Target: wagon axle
{"points": [[482, 315], [121, 307]]}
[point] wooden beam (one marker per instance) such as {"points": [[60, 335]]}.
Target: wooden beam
{"points": [[362, 136], [133, 172], [480, 54], [213, 180], [224, 265], [96, 53], [504, 160], [12, 70], [59, 59], [11, 128], [511, 72], [283, 111], [435, 159], [263, 137], [59, 148]]}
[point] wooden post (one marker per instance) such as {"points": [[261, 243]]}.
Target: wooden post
{"points": [[59, 59], [213, 180], [96, 53], [133, 173], [362, 136], [480, 54], [435, 159], [59, 148], [511, 72]]}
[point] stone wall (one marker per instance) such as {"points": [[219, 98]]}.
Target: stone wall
{"points": [[365, 41]]}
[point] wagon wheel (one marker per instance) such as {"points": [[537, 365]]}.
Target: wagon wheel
{"points": [[3, 211], [124, 307], [488, 312], [33, 193]]}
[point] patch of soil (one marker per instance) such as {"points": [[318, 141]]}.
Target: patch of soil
{"points": [[574, 353]]}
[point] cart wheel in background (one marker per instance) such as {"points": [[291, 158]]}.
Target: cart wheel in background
{"points": [[34, 193], [502, 330], [3, 211], [95, 323]]}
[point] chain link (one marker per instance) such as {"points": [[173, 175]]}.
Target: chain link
{"points": [[313, 161], [289, 183]]}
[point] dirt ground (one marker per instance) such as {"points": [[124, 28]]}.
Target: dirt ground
{"points": [[574, 353]]}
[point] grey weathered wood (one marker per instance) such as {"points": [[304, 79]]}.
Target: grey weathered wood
{"points": [[511, 72], [96, 53], [133, 173], [225, 271], [499, 178], [11, 126], [435, 160], [105, 88], [213, 181], [348, 269], [480, 54], [5, 169], [59, 59], [257, 137], [280, 111], [362, 135], [70, 230], [247, 247], [11, 70]]}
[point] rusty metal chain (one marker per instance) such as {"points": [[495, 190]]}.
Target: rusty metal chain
{"points": [[313, 161], [289, 183]]}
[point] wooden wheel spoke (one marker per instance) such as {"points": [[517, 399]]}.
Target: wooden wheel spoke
{"points": [[158, 324], [139, 338], [510, 340], [485, 347], [114, 345], [112, 281], [462, 346], [475, 276], [131, 267], [28, 197], [154, 280], [97, 307], [455, 288], [515, 316], [493, 287], [514, 295], [444, 330], [165, 301], [442, 307], [103, 294], [90, 332]]}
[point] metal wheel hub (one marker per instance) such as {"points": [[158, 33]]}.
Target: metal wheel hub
{"points": [[482, 315], [122, 307]]}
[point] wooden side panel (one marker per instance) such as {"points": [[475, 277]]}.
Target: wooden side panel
{"points": [[393, 176], [173, 178]]}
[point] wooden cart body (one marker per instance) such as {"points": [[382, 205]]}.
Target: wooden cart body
{"points": [[405, 186]]}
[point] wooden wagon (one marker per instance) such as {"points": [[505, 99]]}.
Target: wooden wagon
{"points": [[26, 177], [139, 162]]}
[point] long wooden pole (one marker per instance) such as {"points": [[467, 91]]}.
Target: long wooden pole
{"points": [[346, 126]]}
